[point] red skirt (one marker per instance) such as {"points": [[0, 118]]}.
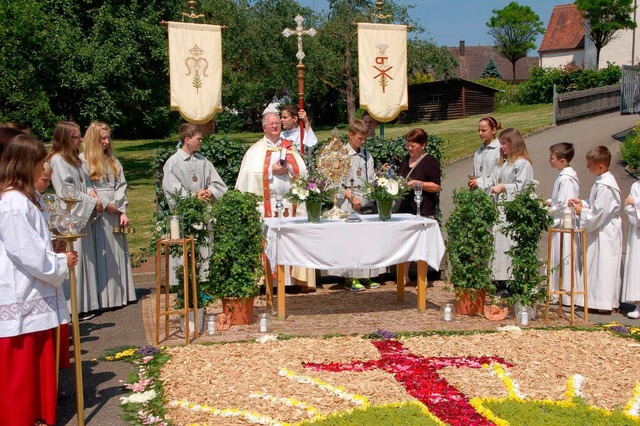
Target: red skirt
{"points": [[28, 370]]}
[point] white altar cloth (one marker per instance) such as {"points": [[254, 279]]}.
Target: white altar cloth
{"points": [[371, 243]]}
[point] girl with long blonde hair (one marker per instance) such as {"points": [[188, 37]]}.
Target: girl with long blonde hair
{"points": [[113, 267], [512, 176]]}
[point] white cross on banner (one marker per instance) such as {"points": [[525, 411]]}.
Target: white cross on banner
{"points": [[382, 63], [195, 70]]}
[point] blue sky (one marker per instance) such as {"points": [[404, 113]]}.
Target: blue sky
{"points": [[447, 22]]}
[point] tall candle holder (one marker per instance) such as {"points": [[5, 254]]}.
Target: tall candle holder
{"points": [[417, 197], [67, 230]]}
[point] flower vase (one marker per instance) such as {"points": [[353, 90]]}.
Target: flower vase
{"points": [[314, 209], [384, 209]]}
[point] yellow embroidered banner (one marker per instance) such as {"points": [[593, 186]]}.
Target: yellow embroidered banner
{"points": [[195, 70], [382, 63]]}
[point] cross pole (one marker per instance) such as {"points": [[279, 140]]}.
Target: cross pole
{"points": [[300, 31]]}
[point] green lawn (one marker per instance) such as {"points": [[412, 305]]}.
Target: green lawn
{"points": [[460, 135]]}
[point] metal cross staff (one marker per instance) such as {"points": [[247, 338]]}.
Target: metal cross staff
{"points": [[299, 31]]}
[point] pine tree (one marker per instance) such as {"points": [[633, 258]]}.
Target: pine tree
{"points": [[491, 70]]}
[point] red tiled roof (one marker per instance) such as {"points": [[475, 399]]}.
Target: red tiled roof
{"points": [[476, 58], [565, 30]]}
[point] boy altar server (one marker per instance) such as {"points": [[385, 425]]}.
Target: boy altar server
{"points": [[601, 217], [631, 276], [187, 171], [565, 187]]}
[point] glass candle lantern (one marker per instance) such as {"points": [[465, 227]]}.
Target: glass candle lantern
{"points": [[447, 312], [174, 227], [68, 224]]}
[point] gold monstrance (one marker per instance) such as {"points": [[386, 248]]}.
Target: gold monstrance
{"points": [[333, 163]]}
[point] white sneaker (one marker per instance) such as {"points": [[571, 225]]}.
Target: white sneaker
{"points": [[634, 315]]}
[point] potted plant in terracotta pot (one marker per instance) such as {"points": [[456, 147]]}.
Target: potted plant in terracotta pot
{"points": [[470, 248], [527, 218], [236, 264]]}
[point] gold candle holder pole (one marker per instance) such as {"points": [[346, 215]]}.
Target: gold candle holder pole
{"points": [[73, 284], [69, 239]]}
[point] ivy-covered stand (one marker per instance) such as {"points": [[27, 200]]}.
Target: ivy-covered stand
{"points": [[527, 218], [470, 246], [236, 264]]}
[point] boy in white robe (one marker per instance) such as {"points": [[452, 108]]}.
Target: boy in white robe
{"points": [[565, 187], [631, 276], [290, 117], [601, 217]]}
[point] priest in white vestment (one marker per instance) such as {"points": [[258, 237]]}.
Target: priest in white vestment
{"points": [[269, 165]]}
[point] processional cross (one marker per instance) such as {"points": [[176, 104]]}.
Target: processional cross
{"points": [[300, 31]]}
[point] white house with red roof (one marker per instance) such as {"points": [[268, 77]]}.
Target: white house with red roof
{"points": [[565, 41]]}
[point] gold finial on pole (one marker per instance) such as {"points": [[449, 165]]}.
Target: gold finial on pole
{"points": [[192, 15], [380, 16]]}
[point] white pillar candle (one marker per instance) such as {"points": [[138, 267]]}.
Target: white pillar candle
{"points": [[174, 228]]}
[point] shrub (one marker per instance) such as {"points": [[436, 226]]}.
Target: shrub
{"points": [[539, 88], [508, 94], [470, 240], [630, 149], [236, 263], [527, 218]]}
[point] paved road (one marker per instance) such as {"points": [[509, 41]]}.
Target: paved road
{"points": [[123, 327]]}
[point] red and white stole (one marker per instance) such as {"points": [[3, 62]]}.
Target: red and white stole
{"points": [[290, 159]]}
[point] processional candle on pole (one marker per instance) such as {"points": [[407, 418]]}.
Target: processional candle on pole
{"points": [[300, 31]]}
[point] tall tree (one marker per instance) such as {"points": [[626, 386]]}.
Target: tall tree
{"points": [[604, 19], [514, 29]]}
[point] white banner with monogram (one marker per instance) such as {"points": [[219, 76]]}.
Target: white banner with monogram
{"points": [[195, 70], [382, 63]]}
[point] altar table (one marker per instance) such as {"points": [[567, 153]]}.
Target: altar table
{"points": [[336, 244]]}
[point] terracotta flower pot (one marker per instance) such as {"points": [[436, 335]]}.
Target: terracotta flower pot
{"points": [[470, 302], [240, 310], [495, 313]]}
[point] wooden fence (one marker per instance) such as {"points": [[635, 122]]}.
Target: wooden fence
{"points": [[581, 103]]}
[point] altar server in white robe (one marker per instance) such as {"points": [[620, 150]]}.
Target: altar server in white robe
{"points": [[66, 164], [289, 118], [188, 174], [601, 218], [631, 276], [512, 176], [487, 156], [270, 165], [352, 197], [565, 187], [115, 279], [31, 296]]}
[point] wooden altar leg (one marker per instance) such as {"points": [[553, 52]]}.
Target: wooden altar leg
{"points": [[281, 296], [268, 282], [422, 286], [400, 280]]}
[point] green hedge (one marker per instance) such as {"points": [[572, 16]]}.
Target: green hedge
{"points": [[539, 88]]}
